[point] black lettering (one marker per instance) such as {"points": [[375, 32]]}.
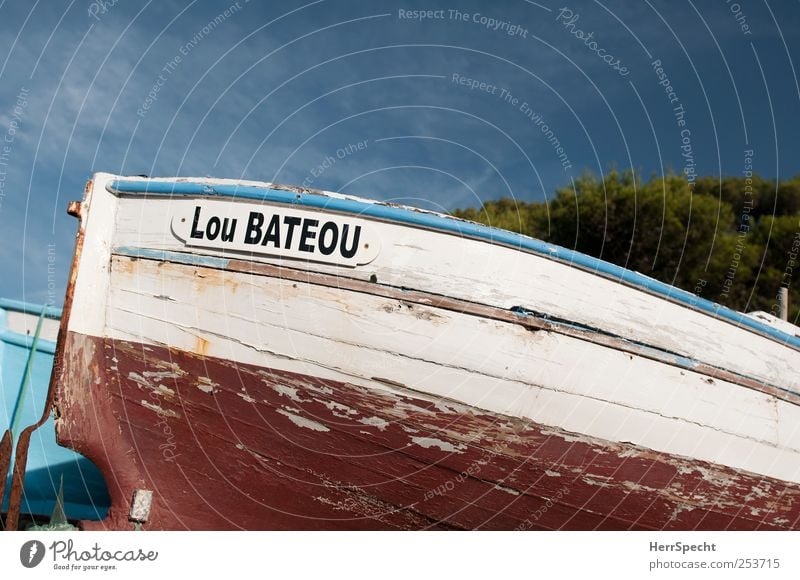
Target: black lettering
{"points": [[227, 233], [253, 233], [212, 228], [307, 235], [327, 247], [354, 246], [273, 234], [195, 232], [291, 222]]}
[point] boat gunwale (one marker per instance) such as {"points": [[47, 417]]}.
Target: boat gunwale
{"points": [[9, 336], [420, 218], [52, 312]]}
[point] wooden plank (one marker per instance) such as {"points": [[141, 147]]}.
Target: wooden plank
{"points": [[543, 376]]}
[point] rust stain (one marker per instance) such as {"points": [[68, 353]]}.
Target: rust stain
{"points": [[123, 265], [204, 278], [5, 461], [21, 457], [201, 346], [74, 209]]}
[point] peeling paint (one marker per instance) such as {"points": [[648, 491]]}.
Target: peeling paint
{"points": [[406, 406], [338, 409], [136, 377], [164, 390], [322, 390], [144, 382], [428, 442], [624, 487], [287, 391], [159, 410], [303, 422], [381, 424], [508, 490], [206, 385], [451, 407], [564, 436], [161, 375], [595, 482], [757, 492], [246, 397]]}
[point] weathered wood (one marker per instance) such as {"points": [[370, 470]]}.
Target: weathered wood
{"points": [[226, 446], [483, 273], [20, 460], [545, 376], [439, 382]]}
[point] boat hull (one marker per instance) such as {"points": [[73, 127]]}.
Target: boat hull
{"points": [[225, 445], [27, 347], [334, 363]]}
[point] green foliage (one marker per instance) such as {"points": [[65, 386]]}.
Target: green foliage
{"points": [[727, 240]]}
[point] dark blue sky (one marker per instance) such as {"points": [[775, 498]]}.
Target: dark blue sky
{"points": [[475, 101]]}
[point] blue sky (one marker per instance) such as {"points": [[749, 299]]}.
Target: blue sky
{"points": [[468, 102]]}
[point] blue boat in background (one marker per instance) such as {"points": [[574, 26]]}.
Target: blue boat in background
{"points": [[28, 336]]}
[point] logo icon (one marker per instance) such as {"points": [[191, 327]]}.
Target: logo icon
{"points": [[31, 553]]}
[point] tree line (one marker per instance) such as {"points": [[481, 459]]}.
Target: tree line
{"points": [[732, 240]]}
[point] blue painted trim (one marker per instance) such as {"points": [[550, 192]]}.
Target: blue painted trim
{"points": [[439, 222], [166, 256], [25, 341], [28, 308]]}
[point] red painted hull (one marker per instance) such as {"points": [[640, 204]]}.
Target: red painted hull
{"points": [[230, 446]]}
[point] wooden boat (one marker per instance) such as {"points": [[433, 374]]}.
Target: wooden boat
{"points": [[27, 345], [243, 355]]}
